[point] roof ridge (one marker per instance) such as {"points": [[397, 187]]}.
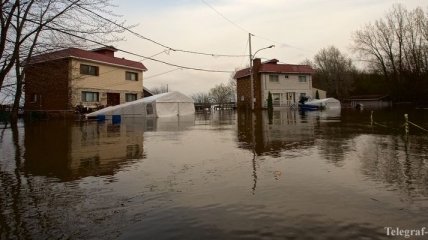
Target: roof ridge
{"points": [[88, 55]]}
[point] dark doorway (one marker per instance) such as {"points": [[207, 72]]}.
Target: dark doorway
{"points": [[113, 99]]}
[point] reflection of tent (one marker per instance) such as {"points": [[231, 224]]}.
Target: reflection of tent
{"points": [[161, 105]]}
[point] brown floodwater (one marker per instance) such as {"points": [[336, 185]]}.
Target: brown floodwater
{"points": [[225, 175]]}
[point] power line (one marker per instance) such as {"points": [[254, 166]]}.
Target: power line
{"points": [[139, 55], [163, 73], [224, 17], [246, 31], [156, 42]]}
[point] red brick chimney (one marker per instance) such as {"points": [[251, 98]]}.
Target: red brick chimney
{"points": [[109, 51]]}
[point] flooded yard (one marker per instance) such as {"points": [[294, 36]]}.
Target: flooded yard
{"points": [[225, 175]]}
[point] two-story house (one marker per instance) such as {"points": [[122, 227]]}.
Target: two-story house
{"points": [[286, 82], [64, 79]]}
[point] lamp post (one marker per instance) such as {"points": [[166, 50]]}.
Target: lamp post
{"points": [[251, 71]]}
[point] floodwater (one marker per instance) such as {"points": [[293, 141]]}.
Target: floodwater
{"points": [[226, 175]]}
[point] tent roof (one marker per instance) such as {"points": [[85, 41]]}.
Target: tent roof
{"points": [[168, 97], [163, 97]]}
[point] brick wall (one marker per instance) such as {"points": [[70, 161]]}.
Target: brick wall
{"points": [[243, 93], [46, 86], [243, 88]]}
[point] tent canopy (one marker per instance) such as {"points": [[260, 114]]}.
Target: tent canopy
{"points": [[161, 105]]}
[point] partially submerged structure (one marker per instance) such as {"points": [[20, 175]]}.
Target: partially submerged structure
{"points": [[286, 82], [321, 104], [71, 78], [168, 104], [370, 101]]}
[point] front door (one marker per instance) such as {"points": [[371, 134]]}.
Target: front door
{"points": [[113, 99]]}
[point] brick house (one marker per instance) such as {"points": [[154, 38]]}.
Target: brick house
{"points": [[286, 82], [64, 79]]}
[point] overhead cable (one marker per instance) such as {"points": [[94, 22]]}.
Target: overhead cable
{"points": [[156, 42]]}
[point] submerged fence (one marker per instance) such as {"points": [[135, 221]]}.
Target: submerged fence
{"points": [[406, 125]]}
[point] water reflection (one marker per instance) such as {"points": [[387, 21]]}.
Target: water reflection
{"points": [[286, 130], [172, 124], [71, 151], [385, 154], [225, 175]]}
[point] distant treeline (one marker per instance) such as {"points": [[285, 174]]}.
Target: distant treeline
{"points": [[395, 50]]}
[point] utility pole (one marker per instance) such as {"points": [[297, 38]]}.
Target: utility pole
{"points": [[251, 74]]}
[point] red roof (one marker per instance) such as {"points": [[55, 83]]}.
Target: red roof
{"points": [[87, 55], [272, 66]]}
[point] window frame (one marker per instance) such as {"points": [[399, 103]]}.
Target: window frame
{"points": [[85, 99], [85, 69], [129, 74], [271, 78], [303, 79], [130, 94]]}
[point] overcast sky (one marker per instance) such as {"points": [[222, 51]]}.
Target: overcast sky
{"points": [[298, 28]]}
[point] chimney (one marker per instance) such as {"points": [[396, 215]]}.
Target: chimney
{"points": [[257, 63], [109, 51]]}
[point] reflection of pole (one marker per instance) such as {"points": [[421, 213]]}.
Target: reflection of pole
{"points": [[253, 138], [251, 74], [406, 123]]}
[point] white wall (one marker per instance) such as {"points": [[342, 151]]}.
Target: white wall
{"points": [[284, 85]]}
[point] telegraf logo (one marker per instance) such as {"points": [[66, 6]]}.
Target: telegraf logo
{"points": [[406, 233]]}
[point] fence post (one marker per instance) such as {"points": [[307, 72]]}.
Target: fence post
{"points": [[406, 123]]}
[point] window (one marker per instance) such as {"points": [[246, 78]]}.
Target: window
{"points": [[149, 109], [276, 97], [302, 79], [285, 76], [90, 96], [89, 70], [131, 76], [129, 97], [273, 78]]}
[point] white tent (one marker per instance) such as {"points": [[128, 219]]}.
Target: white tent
{"points": [[327, 103], [161, 105]]}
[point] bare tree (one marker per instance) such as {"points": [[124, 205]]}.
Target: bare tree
{"points": [[201, 97], [336, 70], [37, 26], [159, 90], [221, 94], [397, 47]]}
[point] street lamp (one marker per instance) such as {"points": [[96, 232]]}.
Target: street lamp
{"points": [[252, 56]]}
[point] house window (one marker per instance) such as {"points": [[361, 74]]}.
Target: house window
{"points": [[89, 70], [129, 97], [285, 76], [131, 76], [302, 79], [90, 96], [273, 78]]}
